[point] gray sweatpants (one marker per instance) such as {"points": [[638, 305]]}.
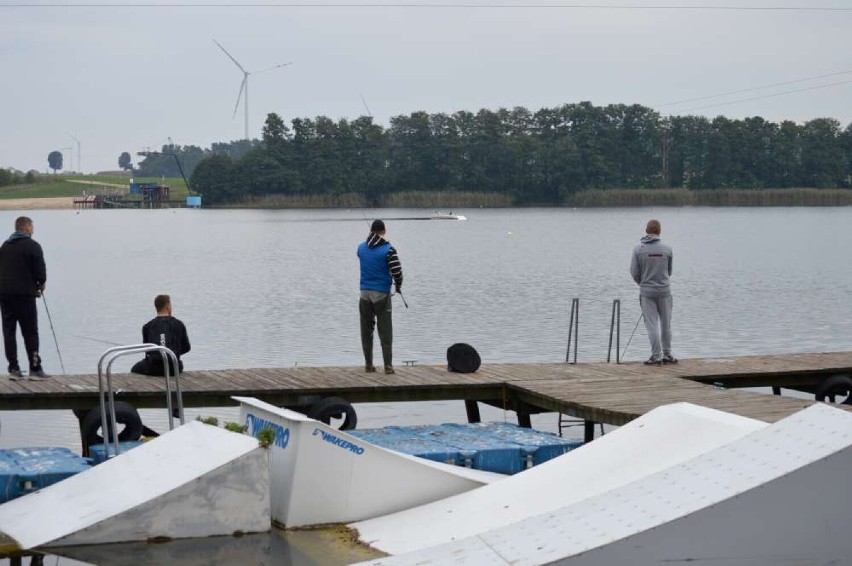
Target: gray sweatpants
{"points": [[658, 323]]}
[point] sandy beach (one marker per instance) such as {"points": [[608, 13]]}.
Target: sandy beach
{"points": [[36, 203]]}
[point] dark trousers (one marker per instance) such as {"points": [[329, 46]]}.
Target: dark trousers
{"points": [[371, 313], [20, 309], [148, 366]]}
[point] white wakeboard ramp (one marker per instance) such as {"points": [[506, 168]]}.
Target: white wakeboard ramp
{"points": [[655, 441], [194, 481], [323, 475], [776, 495]]}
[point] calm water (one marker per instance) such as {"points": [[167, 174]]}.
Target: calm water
{"points": [[280, 288]]}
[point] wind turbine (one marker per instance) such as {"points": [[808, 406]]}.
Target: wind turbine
{"points": [[79, 169], [244, 85], [70, 151]]}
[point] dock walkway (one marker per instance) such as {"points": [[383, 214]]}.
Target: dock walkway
{"points": [[595, 392]]}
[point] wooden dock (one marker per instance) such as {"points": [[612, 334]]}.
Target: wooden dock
{"points": [[595, 392]]}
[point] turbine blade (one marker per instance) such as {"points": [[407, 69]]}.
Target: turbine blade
{"points": [[364, 100], [240, 94], [229, 55], [270, 68]]}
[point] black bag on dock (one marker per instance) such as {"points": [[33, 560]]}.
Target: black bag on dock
{"points": [[462, 358]]}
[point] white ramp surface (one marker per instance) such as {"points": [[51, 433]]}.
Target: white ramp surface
{"points": [[321, 475], [661, 438], [777, 496], [195, 481]]}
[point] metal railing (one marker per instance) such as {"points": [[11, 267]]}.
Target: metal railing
{"points": [[564, 421], [573, 330], [106, 391], [615, 327]]}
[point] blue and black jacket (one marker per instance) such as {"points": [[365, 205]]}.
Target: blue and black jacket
{"points": [[380, 266]]}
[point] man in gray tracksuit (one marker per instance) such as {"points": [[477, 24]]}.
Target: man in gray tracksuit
{"points": [[651, 267]]}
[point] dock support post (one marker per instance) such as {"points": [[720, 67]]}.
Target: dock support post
{"points": [[472, 409], [523, 415], [588, 431], [776, 390], [81, 414]]}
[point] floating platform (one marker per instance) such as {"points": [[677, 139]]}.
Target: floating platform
{"points": [[595, 392], [24, 470], [502, 448]]}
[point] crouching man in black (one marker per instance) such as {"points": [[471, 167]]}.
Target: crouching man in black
{"points": [[163, 330]]}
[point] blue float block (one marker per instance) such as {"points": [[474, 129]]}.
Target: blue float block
{"points": [[545, 445], [396, 438], [24, 470], [488, 452], [495, 447], [99, 454]]}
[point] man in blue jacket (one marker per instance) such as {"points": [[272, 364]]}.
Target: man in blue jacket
{"points": [[22, 279], [651, 267], [380, 267]]}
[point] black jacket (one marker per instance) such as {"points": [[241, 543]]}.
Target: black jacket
{"points": [[22, 270], [165, 331]]}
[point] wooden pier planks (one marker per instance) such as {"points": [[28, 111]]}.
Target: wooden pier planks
{"points": [[600, 392]]}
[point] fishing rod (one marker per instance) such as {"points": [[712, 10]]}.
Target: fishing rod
{"points": [[631, 334], [55, 341], [98, 340], [403, 298]]}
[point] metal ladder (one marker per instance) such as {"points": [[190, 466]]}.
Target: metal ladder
{"points": [[105, 388], [564, 421]]}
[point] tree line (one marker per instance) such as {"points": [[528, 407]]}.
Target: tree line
{"points": [[10, 177], [534, 157]]}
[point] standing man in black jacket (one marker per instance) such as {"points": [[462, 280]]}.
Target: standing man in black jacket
{"points": [[22, 279]]}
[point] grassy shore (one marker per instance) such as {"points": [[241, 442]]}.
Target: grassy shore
{"points": [[596, 198], [74, 185], [49, 186], [718, 197]]}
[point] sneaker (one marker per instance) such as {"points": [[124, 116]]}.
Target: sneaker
{"points": [[653, 362], [370, 369], [38, 374], [669, 359], [15, 372], [389, 370]]}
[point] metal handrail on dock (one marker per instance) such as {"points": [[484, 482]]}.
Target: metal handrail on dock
{"points": [[105, 388]]}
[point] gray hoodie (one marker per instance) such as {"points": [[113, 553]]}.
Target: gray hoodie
{"points": [[651, 266]]}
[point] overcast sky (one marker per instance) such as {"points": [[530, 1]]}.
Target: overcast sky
{"points": [[125, 78]]}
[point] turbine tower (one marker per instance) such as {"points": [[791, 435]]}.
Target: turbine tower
{"points": [[79, 169], [244, 85], [70, 167]]}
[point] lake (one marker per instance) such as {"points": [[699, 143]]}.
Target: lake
{"points": [[270, 288]]}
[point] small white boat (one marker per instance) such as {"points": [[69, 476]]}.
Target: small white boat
{"points": [[445, 216]]}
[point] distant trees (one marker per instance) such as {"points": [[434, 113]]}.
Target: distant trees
{"points": [[13, 177], [54, 160], [535, 157], [124, 161], [190, 155]]}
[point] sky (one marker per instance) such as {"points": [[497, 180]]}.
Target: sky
{"points": [[128, 78]]}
